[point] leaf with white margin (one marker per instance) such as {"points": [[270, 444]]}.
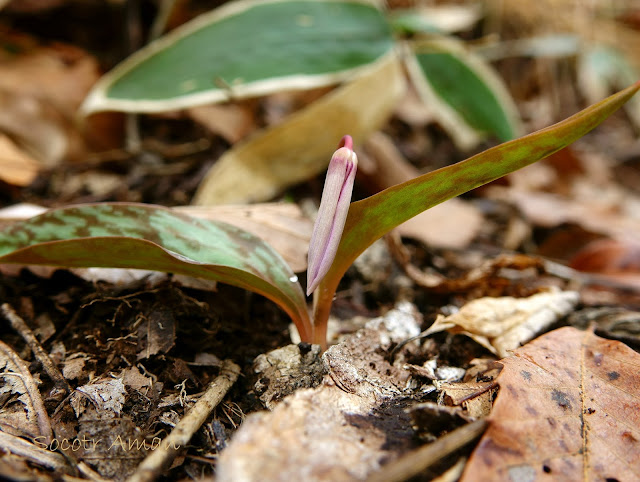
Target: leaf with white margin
{"points": [[467, 96], [247, 48]]}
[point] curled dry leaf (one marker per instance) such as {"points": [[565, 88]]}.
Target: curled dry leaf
{"points": [[301, 147], [568, 409], [16, 166], [503, 324], [22, 411]]}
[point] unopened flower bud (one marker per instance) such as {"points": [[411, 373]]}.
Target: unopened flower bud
{"points": [[332, 214]]}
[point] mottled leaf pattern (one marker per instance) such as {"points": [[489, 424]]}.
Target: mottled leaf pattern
{"points": [[155, 238], [371, 218]]}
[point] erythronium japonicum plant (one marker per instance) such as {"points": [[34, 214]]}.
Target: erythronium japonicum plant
{"points": [[124, 235]]}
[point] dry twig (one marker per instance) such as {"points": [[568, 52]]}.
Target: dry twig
{"points": [[152, 466]]}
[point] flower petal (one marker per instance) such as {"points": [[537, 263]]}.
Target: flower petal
{"points": [[332, 214]]}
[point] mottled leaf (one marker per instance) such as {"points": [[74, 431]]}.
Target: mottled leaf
{"points": [[155, 238], [247, 48], [373, 217]]}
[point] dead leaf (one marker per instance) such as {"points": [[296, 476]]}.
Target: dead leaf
{"points": [[300, 148], [452, 224], [102, 395], [40, 92], [73, 366], [16, 166], [568, 409], [593, 212], [22, 412], [231, 121], [132, 378], [503, 324], [609, 256], [156, 333]]}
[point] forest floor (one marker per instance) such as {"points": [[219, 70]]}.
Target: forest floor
{"points": [[425, 328]]}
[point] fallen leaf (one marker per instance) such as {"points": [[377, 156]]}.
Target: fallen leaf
{"points": [[503, 324], [132, 378], [74, 367], [231, 121], [156, 333], [16, 166], [452, 224], [300, 148], [40, 92], [610, 256], [568, 409], [596, 214], [102, 396]]}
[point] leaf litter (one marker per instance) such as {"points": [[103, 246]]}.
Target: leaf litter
{"points": [[568, 408]]}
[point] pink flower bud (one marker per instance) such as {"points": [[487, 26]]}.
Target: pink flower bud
{"points": [[334, 206]]}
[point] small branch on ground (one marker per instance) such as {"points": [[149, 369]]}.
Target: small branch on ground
{"points": [[154, 465]]}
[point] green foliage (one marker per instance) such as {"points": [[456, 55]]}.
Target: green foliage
{"points": [[140, 236], [249, 47], [371, 218], [122, 235]]}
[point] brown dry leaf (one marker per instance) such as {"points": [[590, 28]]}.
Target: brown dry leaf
{"points": [[568, 409], [607, 213], [503, 324], [301, 147], [41, 89], [102, 395], [132, 378], [22, 410], [231, 121], [74, 366], [156, 333], [452, 224], [608, 256], [16, 166]]}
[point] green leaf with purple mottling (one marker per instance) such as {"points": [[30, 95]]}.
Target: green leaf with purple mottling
{"points": [[120, 235], [373, 217]]}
